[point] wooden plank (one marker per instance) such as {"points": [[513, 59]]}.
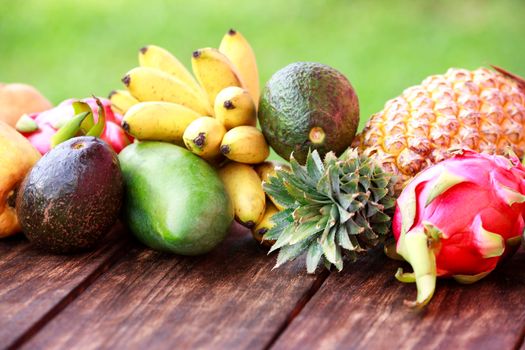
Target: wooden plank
{"points": [[362, 308], [229, 298], [34, 286]]}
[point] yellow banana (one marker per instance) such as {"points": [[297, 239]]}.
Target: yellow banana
{"points": [[159, 121], [245, 144], [203, 137], [234, 107], [214, 71], [121, 101], [245, 191], [157, 57], [267, 169], [241, 54], [150, 84], [265, 225]]}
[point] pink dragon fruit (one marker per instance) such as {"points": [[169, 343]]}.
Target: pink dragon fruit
{"points": [[458, 219], [39, 128]]}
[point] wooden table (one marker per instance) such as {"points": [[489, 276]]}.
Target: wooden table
{"points": [[124, 296]]}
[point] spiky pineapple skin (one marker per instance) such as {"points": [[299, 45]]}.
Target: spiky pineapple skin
{"points": [[482, 110]]}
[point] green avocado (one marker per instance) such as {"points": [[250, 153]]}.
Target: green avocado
{"points": [[72, 196], [174, 201], [306, 106]]}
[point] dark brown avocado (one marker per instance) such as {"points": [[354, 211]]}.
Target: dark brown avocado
{"points": [[72, 196]]}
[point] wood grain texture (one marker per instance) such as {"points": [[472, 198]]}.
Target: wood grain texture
{"points": [[227, 299], [35, 285], [362, 308]]}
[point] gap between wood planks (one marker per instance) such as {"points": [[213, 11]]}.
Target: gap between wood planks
{"points": [[70, 297], [299, 306]]}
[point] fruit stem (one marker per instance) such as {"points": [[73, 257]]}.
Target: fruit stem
{"points": [[225, 149], [228, 104], [200, 140], [415, 247], [126, 80], [517, 78], [317, 135]]}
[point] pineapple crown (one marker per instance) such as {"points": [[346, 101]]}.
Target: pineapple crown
{"points": [[334, 208]]}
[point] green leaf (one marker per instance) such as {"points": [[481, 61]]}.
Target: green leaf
{"points": [[388, 202], [298, 194], [343, 240], [298, 178], [355, 206], [364, 182], [301, 173], [353, 228], [313, 257], [81, 107], [378, 193], [338, 259], [362, 221], [280, 221], [345, 199], [284, 238], [282, 216], [306, 230], [382, 228], [381, 181], [274, 187], [291, 252], [329, 247], [317, 198], [98, 128], [371, 209], [69, 130], [333, 172], [323, 186], [352, 186], [306, 212], [274, 233], [314, 168], [379, 217], [344, 215], [334, 215]]}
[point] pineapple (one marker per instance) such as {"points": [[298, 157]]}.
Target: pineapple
{"points": [[334, 208], [482, 110]]}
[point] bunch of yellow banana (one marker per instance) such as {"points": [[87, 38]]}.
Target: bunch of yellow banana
{"points": [[213, 112], [264, 171], [253, 208]]}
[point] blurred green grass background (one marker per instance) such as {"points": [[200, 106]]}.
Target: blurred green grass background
{"points": [[78, 48]]}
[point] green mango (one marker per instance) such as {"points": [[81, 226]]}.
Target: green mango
{"points": [[174, 201]]}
